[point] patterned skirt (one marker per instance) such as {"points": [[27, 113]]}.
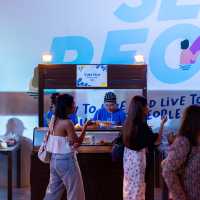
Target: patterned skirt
{"points": [[134, 174]]}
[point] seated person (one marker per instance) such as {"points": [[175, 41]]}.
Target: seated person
{"points": [[110, 111], [50, 113]]}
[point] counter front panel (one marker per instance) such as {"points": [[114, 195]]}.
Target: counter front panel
{"points": [[96, 140]]}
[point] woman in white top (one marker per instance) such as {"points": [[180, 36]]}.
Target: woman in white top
{"points": [[64, 169]]}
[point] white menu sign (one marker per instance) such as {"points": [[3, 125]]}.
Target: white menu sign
{"points": [[91, 76]]}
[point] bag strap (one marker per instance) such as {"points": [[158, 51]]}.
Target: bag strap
{"points": [[51, 125], [48, 133]]}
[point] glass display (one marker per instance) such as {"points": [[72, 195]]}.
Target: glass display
{"points": [[93, 137]]}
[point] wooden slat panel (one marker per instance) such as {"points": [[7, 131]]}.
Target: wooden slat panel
{"points": [[55, 66], [59, 76], [119, 76], [60, 84], [127, 76], [127, 84], [60, 72], [127, 71]]}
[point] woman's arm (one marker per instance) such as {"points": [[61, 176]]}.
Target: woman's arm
{"points": [[160, 133], [73, 138], [82, 136], [174, 161]]}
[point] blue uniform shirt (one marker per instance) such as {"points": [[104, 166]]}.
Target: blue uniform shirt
{"points": [[116, 118], [48, 116]]}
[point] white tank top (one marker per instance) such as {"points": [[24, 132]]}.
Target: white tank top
{"points": [[58, 144]]}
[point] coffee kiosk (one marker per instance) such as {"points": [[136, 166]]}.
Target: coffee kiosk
{"points": [[102, 178]]}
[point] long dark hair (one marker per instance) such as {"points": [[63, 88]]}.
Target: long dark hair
{"points": [[53, 98], [135, 116], [64, 106], [190, 126]]}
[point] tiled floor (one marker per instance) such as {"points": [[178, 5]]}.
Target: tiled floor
{"points": [[18, 194], [24, 194]]}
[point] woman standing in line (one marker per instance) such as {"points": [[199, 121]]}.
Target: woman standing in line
{"points": [[64, 168], [181, 168], [138, 137]]}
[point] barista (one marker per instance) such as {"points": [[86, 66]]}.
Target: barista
{"points": [[48, 115], [110, 111]]}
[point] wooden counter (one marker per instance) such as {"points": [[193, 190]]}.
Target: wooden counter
{"points": [[88, 149], [103, 179], [95, 149]]}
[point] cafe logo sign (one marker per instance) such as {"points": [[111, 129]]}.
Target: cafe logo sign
{"points": [[91, 76]]}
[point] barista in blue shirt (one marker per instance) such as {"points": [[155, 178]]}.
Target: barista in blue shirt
{"points": [[110, 111], [48, 115]]}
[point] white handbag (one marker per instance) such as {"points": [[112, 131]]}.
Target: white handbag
{"points": [[43, 154]]}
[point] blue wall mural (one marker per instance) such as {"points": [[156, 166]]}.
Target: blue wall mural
{"points": [[100, 32]]}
